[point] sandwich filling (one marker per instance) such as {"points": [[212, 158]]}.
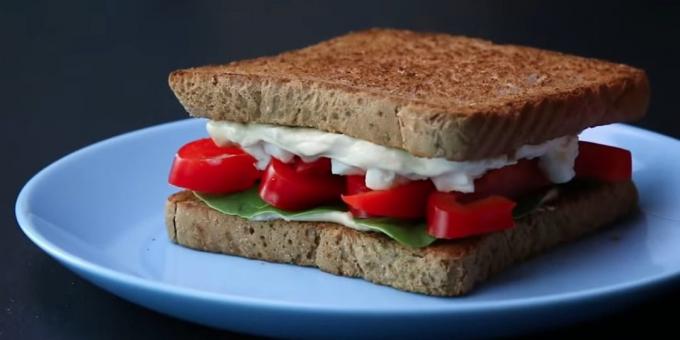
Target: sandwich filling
{"points": [[263, 172], [385, 167]]}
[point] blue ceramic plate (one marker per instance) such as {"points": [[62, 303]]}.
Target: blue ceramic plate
{"points": [[99, 211]]}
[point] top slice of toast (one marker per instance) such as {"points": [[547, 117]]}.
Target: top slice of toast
{"points": [[433, 95]]}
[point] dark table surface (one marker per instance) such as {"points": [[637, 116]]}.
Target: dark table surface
{"points": [[76, 73]]}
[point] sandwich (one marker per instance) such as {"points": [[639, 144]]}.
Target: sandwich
{"points": [[426, 162]]}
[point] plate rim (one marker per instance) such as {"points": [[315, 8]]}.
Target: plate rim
{"points": [[24, 219]]}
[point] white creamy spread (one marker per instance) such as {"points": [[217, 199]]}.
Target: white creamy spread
{"points": [[342, 218], [385, 166]]}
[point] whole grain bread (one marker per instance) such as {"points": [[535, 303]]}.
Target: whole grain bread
{"points": [[433, 95], [445, 268]]}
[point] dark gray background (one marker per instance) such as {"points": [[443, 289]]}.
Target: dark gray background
{"points": [[78, 72]]}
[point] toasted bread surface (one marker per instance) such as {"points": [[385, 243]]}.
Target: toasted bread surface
{"points": [[445, 268], [433, 95]]}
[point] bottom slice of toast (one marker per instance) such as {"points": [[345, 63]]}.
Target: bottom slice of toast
{"points": [[445, 268]]}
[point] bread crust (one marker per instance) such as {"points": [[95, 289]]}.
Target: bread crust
{"points": [[446, 268], [433, 95]]}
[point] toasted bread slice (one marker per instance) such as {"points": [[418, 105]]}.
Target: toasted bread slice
{"points": [[433, 95], [445, 268]]}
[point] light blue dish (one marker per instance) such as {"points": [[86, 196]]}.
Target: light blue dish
{"points": [[99, 211]]}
